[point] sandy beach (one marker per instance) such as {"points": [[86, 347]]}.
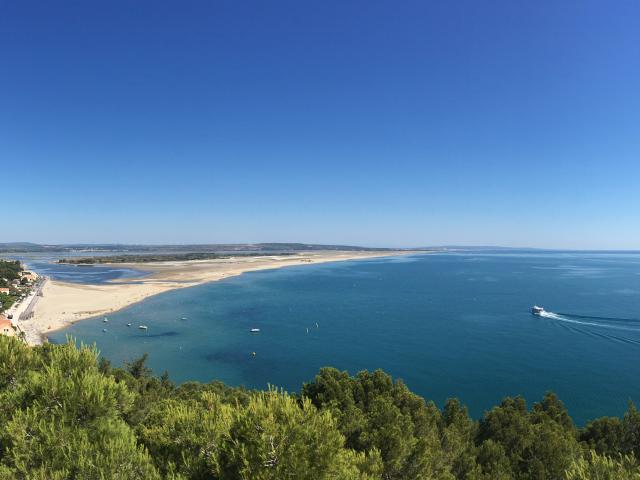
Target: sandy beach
{"points": [[63, 304]]}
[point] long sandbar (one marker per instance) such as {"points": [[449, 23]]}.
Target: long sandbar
{"points": [[63, 304]]}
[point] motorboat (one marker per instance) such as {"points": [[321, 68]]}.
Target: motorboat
{"points": [[255, 330], [142, 327], [536, 310]]}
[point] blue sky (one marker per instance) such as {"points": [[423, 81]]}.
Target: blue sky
{"points": [[363, 122]]}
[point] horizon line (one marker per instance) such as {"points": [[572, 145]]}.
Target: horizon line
{"points": [[418, 247]]}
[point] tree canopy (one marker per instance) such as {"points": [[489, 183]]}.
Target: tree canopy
{"points": [[68, 414]]}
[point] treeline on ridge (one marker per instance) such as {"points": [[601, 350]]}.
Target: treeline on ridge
{"points": [[68, 414], [9, 270]]}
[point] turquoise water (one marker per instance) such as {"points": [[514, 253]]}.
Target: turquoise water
{"points": [[450, 325]]}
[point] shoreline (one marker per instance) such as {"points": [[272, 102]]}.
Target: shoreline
{"points": [[64, 304]]}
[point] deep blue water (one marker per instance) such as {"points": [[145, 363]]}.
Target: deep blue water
{"points": [[450, 325]]}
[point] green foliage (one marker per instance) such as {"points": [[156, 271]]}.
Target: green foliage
{"points": [[147, 388], [373, 412], [69, 415], [271, 437], [540, 444], [274, 437], [631, 431], [613, 436], [493, 463], [16, 362], [63, 418], [597, 467], [9, 270], [186, 436], [605, 436], [458, 432], [6, 301], [552, 408]]}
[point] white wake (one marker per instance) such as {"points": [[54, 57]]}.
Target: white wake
{"points": [[562, 318]]}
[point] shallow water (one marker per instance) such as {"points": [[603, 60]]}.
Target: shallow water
{"points": [[86, 274], [448, 324]]}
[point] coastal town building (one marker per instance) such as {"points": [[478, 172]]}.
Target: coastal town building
{"points": [[4, 290], [29, 276], [6, 327]]}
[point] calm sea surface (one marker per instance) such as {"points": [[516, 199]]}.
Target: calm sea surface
{"points": [[450, 325], [46, 264]]}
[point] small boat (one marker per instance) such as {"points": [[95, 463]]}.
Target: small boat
{"points": [[128, 324], [255, 330], [536, 310], [183, 318], [105, 320], [142, 327], [253, 354], [104, 330]]}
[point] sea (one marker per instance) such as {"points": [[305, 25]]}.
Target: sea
{"points": [[455, 324]]}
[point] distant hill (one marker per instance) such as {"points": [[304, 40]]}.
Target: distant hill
{"points": [[25, 247], [306, 247], [22, 247]]}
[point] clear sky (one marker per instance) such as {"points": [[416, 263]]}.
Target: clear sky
{"points": [[397, 123]]}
